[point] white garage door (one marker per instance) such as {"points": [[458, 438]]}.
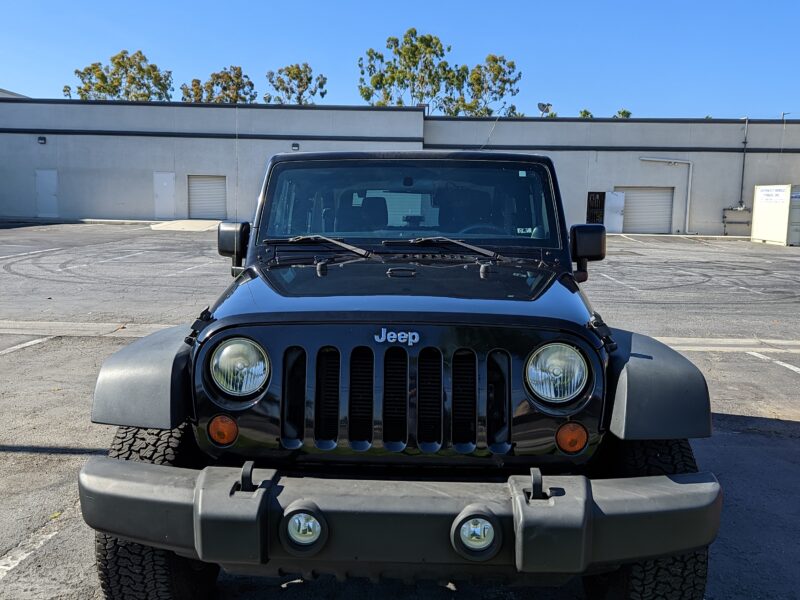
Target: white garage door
{"points": [[647, 209], [207, 197]]}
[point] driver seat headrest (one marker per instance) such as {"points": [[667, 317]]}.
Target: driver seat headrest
{"points": [[375, 213]]}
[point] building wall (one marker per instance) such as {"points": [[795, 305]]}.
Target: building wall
{"points": [[599, 155], [105, 154]]}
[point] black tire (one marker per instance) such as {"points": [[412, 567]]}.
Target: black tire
{"points": [[680, 577], [131, 571]]}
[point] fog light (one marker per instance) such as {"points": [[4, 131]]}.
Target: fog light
{"points": [[303, 529], [223, 430], [476, 534]]}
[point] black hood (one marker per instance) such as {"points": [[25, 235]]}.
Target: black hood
{"points": [[450, 287]]}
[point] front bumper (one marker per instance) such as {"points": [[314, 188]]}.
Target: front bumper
{"points": [[399, 528]]}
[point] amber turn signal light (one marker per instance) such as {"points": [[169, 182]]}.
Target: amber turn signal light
{"points": [[223, 430], [572, 437]]}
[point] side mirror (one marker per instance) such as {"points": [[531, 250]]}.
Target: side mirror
{"points": [[586, 242], [232, 240]]}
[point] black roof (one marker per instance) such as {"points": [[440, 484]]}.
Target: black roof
{"points": [[416, 155]]}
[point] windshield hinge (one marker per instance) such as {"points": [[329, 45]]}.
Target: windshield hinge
{"points": [[603, 331], [202, 321]]}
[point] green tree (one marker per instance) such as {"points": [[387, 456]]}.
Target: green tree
{"points": [[413, 71], [229, 86], [552, 115], [623, 114], [586, 114], [126, 77], [295, 84], [482, 90]]}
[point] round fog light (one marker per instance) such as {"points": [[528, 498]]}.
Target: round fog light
{"points": [[303, 529], [476, 534]]}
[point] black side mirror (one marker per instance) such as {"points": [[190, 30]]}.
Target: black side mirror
{"points": [[232, 240], [586, 242]]}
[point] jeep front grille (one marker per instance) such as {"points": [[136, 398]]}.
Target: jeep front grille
{"points": [[427, 399]]}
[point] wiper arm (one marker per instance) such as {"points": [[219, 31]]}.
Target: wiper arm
{"points": [[441, 240], [321, 239]]}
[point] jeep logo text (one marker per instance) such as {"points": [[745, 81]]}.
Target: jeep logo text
{"points": [[400, 337]]}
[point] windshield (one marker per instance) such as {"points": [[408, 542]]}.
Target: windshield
{"points": [[501, 203]]}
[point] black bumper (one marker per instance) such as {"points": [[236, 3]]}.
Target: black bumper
{"points": [[396, 528]]}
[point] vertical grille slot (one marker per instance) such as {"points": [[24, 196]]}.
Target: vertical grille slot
{"points": [[294, 393], [395, 395], [498, 379], [326, 405], [429, 400], [362, 365], [464, 396]]}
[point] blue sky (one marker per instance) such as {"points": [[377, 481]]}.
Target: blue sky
{"points": [[657, 59]]}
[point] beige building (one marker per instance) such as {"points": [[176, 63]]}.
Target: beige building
{"points": [[68, 159]]}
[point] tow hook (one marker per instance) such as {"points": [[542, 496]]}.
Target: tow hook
{"points": [[537, 488]]}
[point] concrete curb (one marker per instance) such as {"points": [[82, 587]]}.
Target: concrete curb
{"points": [[48, 221]]}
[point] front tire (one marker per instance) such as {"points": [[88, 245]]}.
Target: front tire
{"points": [[131, 571], [679, 577]]}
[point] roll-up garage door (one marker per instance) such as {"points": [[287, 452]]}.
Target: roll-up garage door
{"points": [[647, 209], [207, 197]]}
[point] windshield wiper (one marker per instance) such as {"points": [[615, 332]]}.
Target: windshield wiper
{"points": [[441, 241], [321, 239]]}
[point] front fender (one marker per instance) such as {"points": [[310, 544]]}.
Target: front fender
{"points": [[657, 393], [147, 383]]}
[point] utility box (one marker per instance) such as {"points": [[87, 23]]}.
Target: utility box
{"points": [[776, 215], [737, 221]]}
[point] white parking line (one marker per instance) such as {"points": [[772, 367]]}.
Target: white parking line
{"points": [[123, 256], [777, 362], [102, 261], [633, 240], [741, 287], [28, 253], [24, 345], [189, 269], [617, 281], [12, 559]]}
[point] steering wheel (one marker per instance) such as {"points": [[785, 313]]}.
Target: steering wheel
{"points": [[483, 228]]}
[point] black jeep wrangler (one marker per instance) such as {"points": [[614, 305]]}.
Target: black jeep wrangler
{"points": [[404, 380]]}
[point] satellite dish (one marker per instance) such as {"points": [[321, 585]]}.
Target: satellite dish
{"points": [[544, 107]]}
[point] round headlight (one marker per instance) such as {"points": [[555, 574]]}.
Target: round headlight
{"points": [[239, 366], [556, 373]]}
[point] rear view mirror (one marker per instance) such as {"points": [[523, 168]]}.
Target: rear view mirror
{"points": [[232, 240], [587, 242]]}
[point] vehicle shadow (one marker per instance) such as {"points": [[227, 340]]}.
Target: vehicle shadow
{"points": [[50, 450], [757, 461]]}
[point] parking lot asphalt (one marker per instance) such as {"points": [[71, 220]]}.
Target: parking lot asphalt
{"points": [[70, 295]]}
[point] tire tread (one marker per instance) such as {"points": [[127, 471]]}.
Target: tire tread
{"points": [[131, 571], [679, 577]]}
